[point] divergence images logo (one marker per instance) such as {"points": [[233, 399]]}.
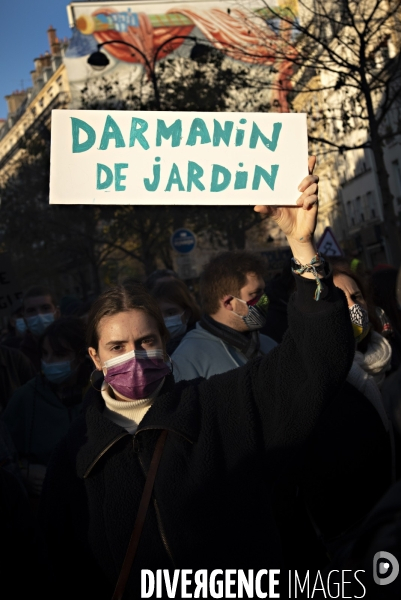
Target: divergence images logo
{"points": [[385, 568]]}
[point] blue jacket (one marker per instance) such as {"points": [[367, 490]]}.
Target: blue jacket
{"points": [[202, 354]]}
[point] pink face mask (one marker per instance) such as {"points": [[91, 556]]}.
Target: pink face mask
{"points": [[136, 374]]}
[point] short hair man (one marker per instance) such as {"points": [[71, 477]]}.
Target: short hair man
{"points": [[40, 309], [227, 336]]}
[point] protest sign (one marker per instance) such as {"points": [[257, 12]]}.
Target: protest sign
{"points": [[181, 158], [10, 290]]}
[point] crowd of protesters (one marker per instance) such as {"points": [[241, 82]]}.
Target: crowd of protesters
{"points": [[274, 410]]}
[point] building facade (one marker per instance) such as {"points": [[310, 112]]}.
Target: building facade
{"points": [[29, 110], [351, 184]]}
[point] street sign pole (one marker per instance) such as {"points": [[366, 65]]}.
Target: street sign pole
{"points": [[183, 242]]}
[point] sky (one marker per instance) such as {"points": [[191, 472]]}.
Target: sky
{"points": [[23, 37]]}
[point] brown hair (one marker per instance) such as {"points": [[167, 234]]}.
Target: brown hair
{"points": [[176, 291], [65, 333], [39, 290], [226, 274], [154, 277], [122, 298]]}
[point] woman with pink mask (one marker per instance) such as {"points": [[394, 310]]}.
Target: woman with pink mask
{"points": [[165, 475]]}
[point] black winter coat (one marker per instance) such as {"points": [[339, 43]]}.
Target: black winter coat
{"points": [[346, 468], [23, 564], [231, 440], [15, 370]]}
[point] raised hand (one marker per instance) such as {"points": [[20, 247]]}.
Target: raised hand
{"points": [[299, 222]]}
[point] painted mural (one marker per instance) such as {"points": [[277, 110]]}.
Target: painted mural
{"points": [[157, 29]]}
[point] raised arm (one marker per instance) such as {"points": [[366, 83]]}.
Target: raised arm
{"points": [[291, 385], [299, 223]]}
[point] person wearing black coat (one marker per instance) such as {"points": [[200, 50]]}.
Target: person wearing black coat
{"points": [[278, 290], [15, 370], [375, 550], [24, 566], [232, 440], [347, 465]]}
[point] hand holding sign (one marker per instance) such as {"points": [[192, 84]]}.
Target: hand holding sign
{"points": [[299, 223]]}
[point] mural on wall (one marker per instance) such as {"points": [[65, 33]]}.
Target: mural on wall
{"points": [[242, 31]]}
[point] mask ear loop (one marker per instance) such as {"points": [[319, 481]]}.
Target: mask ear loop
{"points": [[171, 363], [91, 381]]}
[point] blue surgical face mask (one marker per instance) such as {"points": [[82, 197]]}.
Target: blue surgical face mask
{"points": [[57, 372], [38, 323], [175, 325], [20, 326]]}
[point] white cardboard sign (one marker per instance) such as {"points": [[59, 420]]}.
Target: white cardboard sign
{"points": [[181, 158]]}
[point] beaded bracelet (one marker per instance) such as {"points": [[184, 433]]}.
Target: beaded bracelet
{"points": [[316, 262]]}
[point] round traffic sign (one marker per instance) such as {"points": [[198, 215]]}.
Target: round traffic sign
{"points": [[183, 241]]}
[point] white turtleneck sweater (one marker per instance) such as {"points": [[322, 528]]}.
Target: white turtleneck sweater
{"points": [[127, 413]]}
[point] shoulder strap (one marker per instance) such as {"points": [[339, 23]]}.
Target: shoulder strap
{"points": [[140, 518]]}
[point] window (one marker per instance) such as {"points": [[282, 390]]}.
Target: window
{"points": [[350, 213], [397, 176], [371, 203], [359, 211], [365, 208]]}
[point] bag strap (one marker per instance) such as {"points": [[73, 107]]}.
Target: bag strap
{"points": [[140, 518]]}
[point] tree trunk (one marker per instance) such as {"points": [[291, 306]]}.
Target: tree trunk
{"points": [[147, 259], [96, 278], [391, 229], [391, 233]]}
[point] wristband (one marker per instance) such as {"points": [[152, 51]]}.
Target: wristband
{"points": [[316, 263]]}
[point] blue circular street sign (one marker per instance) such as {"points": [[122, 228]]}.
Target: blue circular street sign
{"points": [[183, 241]]}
